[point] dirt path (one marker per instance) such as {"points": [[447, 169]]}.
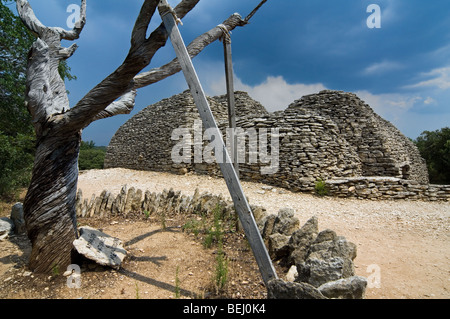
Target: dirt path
{"points": [[403, 246]]}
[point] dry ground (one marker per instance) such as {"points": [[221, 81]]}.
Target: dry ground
{"points": [[407, 241]]}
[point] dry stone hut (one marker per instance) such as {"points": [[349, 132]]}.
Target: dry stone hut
{"points": [[329, 135]]}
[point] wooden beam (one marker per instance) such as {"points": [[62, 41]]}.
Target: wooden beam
{"points": [[231, 101], [234, 186]]}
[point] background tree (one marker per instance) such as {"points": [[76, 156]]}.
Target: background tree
{"points": [[49, 205], [91, 156], [17, 138], [435, 149]]}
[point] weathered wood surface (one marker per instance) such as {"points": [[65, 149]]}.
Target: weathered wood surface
{"points": [[242, 206], [229, 75]]}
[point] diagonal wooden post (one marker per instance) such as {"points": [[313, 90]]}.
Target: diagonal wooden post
{"points": [[234, 186]]}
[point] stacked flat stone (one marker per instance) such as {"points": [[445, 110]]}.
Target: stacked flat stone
{"points": [[146, 203], [329, 135]]}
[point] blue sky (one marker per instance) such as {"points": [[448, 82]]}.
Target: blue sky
{"points": [[291, 48]]}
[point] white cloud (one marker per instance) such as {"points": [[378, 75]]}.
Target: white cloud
{"points": [[382, 67], [275, 93], [440, 79], [390, 12], [391, 106], [429, 100]]}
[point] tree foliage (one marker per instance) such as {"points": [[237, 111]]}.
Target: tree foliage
{"points": [[435, 149], [16, 161], [15, 42], [16, 129], [91, 156]]}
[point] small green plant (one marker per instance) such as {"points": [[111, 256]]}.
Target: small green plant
{"points": [[212, 229], [221, 273], [137, 290], [321, 188], [55, 270], [214, 233], [193, 226], [177, 284], [146, 214]]}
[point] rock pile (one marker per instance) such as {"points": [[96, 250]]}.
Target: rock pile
{"points": [[321, 263]]}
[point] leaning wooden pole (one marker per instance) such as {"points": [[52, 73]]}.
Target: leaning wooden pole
{"points": [[234, 186]]}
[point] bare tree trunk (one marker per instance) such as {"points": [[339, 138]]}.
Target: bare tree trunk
{"points": [[49, 205]]}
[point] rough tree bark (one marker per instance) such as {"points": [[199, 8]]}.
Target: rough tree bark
{"points": [[49, 205]]}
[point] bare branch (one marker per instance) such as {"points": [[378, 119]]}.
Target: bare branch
{"points": [[194, 48], [99, 102], [184, 7], [159, 36], [138, 35], [79, 25], [124, 105], [65, 53], [121, 80], [28, 17], [254, 11]]}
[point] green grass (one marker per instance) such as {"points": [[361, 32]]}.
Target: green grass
{"points": [[321, 188]]}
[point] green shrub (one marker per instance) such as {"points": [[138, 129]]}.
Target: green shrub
{"points": [[435, 149], [16, 163], [91, 156], [321, 187]]}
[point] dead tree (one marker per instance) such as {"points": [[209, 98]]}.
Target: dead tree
{"points": [[49, 204]]}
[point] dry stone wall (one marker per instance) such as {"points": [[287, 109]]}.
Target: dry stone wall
{"points": [[132, 200], [330, 135], [381, 147], [386, 188]]}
